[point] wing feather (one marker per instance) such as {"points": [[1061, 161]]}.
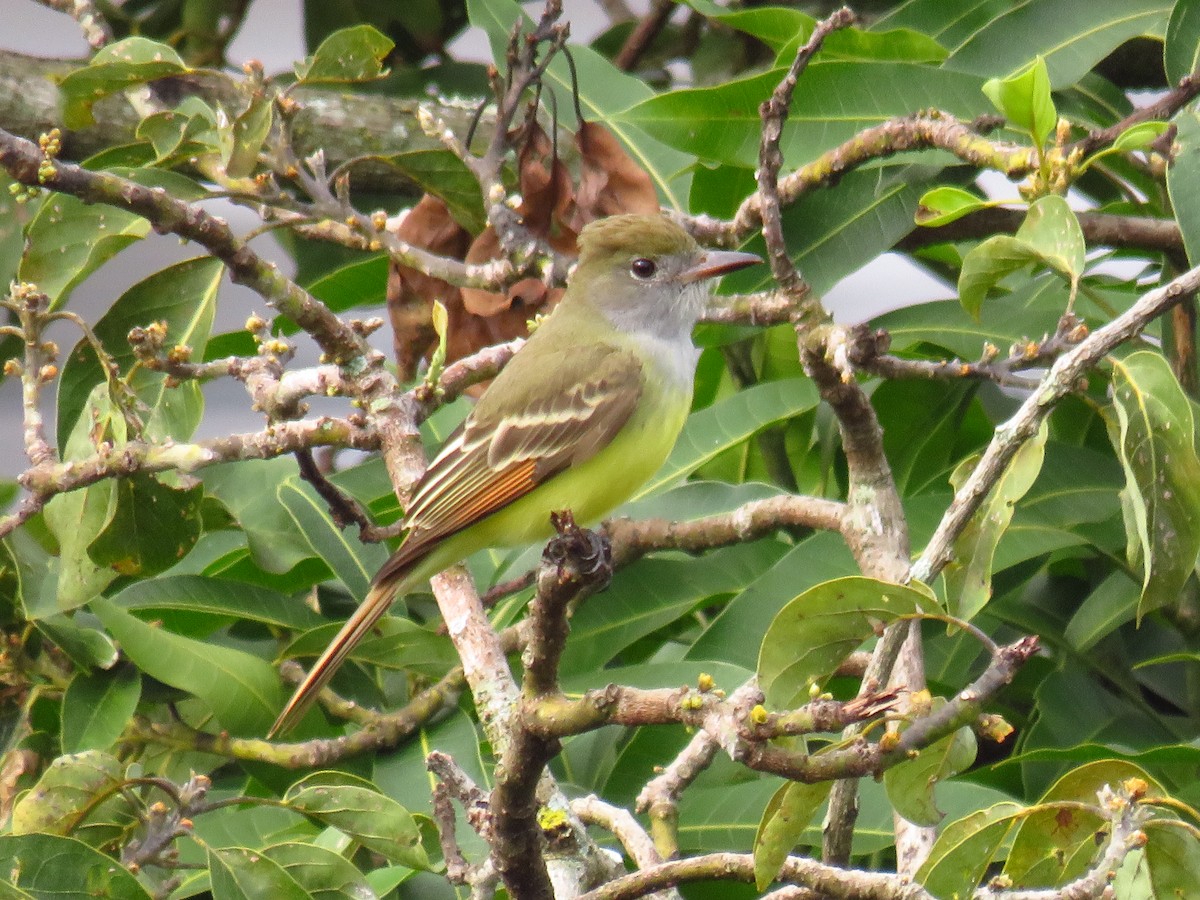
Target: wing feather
{"points": [[579, 405]]}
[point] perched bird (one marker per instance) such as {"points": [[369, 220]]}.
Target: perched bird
{"points": [[580, 418]]}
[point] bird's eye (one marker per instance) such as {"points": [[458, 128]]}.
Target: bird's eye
{"points": [[643, 268]]}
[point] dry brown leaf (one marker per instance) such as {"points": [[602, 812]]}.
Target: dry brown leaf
{"points": [[410, 293], [610, 182]]}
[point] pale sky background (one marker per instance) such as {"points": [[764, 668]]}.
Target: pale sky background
{"points": [[272, 33]]}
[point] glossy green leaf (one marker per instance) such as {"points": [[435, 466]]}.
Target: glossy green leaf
{"points": [[47, 865], [968, 576], [66, 792], [1055, 844], [737, 631], [115, 67], [1173, 859], [1050, 236], [728, 422], [1183, 180], [783, 821], [1024, 99], [656, 592], [239, 873], [1139, 136], [190, 129], [97, 706], [1151, 426], [356, 806], [784, 30], [1113, 603], [1181, 50], [77, 517], [352, 54], [88, 648], [1005, 37], [217, 597], [910, 784], [965, 849], [249, 490], [818, 629], [68, 240], [943, 205], [353, 562], [247, 134], [184, 296], [243, 691], [441, 173], [324, 874], [152, 527], [835, 101]]}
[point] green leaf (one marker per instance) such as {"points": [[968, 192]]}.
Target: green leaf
{"points": [[1183, 180], [727, 423], [818, 629], [910, 784], [969, 574], [46, 865], [1032, 308], [353, 562], [77, 517], [784, 30], [441, 173], [96, 707], [324, 874], [88, 648], [247, 135], [66, 792], [218, 597], [151, 529], [1006, 36], [1046, 849], [835, 101], [352, 54], [131, 61], [783, 821], [356, 806], [184, 296], [1150, 424], [737, 632], [68, 240], [965, 849], [238, 873], [1024, 99], [249, 490], [1173, 859], [1050, 235], [1139, 136], [243, 691], [1113, 603], [655, 592], [190, 129], [1181, 50], [945, 204]]}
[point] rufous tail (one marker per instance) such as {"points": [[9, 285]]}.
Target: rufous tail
{"points": [[370, 611]]}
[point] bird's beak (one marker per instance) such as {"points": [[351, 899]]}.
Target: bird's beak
{"points": [[711, 263]]}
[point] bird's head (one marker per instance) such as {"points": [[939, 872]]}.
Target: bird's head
{"points": [[646, 273]]}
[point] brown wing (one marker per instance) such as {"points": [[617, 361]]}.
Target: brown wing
{"points": [[577, 404]]}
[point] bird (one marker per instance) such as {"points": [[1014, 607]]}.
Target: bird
{"points": [[582, 416]]}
